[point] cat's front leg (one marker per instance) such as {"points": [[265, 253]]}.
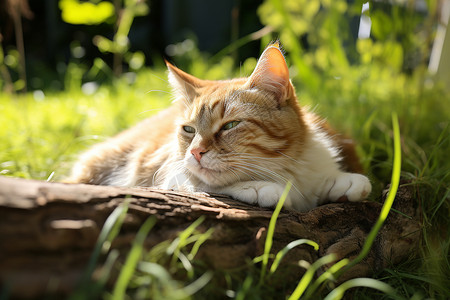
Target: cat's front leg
{"points": [[354, 187], [263, 193]]}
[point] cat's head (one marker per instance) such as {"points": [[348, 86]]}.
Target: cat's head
{"points": [[240, 129]]}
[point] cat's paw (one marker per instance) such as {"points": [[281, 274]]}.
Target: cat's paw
{"points": [[263, 193], [354, 187]]}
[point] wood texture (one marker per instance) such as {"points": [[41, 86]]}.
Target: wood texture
{"points": [[48, 230]]}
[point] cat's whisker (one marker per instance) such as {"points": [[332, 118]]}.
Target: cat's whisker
{"points": [[234, 173], [187, 99], [275, 174], [247, 156], [174, 98], [269, 163], [186, 103], [291, 158], [257, 176], [168, 170], [271, 175], [257, 158], [161, 91], [262, 175], [160, 78], [244, 170], [150, 110], [238, 178]]}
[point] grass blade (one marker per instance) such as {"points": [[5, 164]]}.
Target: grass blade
{"points": [[132, 260], [286, 249], [161, 284], [109, 231], [327, 275], [395, 181], [169, 285], [155, 270], [186, 263], [201, 239], [197, 285], [309, 275], [95, 289], [241, 295], [338, 292], [183, 239], [271, 230]]}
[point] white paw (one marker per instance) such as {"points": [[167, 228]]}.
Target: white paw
{"points": [[354, 187], [269, 195], [265, 194]]}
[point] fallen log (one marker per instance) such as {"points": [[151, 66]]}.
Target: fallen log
{"points": [[48, 230]]}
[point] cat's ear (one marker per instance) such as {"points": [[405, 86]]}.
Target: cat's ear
{"points": [[272, 74], [183, 83]]}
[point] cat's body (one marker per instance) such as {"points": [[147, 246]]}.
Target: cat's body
{"points": [[243, 137]]}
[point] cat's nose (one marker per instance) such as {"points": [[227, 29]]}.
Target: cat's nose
{"points": [[198, 153]]}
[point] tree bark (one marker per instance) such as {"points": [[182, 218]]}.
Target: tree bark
{"points": [[48, 230]]}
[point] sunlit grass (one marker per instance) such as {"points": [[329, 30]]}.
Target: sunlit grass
{"points": [[43, 133]]}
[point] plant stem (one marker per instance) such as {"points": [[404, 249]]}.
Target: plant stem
{"points": [[19, 43]]}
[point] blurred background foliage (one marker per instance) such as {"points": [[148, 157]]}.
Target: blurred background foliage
{"points": [[93, 68], [320, 38]]}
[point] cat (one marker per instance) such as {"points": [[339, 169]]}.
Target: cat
{"points": [[244, 137]]}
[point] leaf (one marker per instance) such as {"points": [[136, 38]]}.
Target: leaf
{"points": [[381, 25], [86, 13], [104, 44], [338, 292]]}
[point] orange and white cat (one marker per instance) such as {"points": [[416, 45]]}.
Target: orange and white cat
{"points": [[244, 137]]}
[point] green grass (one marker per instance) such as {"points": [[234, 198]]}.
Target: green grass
{"points": [[40, 138], [43, 136]]}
